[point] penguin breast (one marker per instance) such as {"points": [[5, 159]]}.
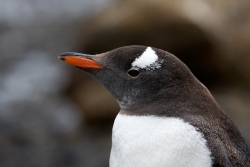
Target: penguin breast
{"points": [[146, 141]]}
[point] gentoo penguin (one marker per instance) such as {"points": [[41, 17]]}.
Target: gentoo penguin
{"points": [[167, 118]]}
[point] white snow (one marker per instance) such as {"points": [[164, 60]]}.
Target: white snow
{"points": [[147, 59]]}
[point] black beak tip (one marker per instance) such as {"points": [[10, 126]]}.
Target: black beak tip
{"points": [[65, 54], [61, 57]]}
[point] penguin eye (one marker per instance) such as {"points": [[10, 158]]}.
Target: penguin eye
{"points": [[133, 73]]}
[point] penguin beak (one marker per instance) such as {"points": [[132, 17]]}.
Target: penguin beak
{"points": [[79, 60]]}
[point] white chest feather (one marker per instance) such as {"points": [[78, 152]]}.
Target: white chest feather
{"points": [[150, 141]]}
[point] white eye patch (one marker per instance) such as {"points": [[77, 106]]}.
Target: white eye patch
{"points": [[148, 60]]}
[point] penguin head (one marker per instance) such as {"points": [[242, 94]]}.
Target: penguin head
{"points": [[135, 75]]}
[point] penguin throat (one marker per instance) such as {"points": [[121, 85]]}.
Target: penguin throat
{"points": [[125, 102]]}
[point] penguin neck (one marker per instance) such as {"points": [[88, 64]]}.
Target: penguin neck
{"points": [[174, 103]]}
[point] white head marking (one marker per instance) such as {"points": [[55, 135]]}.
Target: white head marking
{"points": [[148, 60]]}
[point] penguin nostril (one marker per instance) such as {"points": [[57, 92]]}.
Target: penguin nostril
{"points": [[133, 73]]}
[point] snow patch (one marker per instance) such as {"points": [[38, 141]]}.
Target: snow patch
{"points": [[148, 60]]}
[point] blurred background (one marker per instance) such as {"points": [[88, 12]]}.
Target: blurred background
{"points": [[53, 114]]}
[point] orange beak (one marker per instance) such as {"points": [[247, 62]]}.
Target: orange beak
{"points": [[79, 60]]}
